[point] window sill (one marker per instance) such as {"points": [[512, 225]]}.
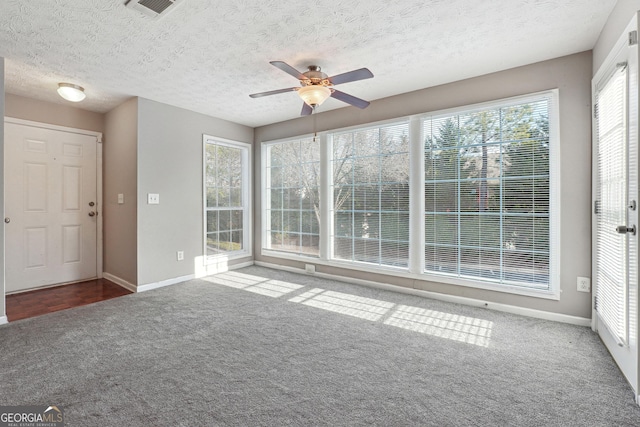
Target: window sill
{"points": [[424, 277]]}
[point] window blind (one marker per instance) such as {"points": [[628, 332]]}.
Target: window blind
{"points": [[293, 197], [371, 195], [487, 191], [611, 254]]}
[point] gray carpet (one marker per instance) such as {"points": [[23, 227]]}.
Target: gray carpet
{"points": [[259, 347]]}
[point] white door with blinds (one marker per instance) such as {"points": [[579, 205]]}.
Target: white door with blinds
{"points": [[615, 206]]}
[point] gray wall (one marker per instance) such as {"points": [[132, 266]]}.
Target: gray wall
{"points": [[2, 112], [119, 153], [147, 147], [47, 112], [170, 163], [572, 75], [616, 23]]}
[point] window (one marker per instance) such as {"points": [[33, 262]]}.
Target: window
{"points": [[226, 184], [371, 195], [293, 202], [465, 197], [487, 205]]}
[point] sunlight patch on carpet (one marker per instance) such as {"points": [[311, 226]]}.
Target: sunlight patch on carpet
{"points": [[454, 327], [259, 285], [468, 330], [351, 305]]}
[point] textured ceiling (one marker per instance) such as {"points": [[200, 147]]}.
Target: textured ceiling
{"points": [[208, 56]]}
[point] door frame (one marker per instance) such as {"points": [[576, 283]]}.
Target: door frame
{"points": [[100, 210], [632, 138]]}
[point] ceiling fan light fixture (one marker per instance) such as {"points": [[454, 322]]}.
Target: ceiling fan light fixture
{"points": [[71, 92], [314, 95]]}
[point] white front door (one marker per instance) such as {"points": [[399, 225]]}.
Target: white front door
{"points": [[50, 207], [616, 206]]}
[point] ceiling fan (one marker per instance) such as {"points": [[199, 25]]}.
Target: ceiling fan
{"points": [[316, 86]]}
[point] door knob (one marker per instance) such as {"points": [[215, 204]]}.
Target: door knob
{"points": [[91, 204], [623, 229], [7, 220], [92, 213]]}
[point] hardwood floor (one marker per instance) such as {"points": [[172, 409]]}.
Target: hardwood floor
{"points": [[42, 301]]}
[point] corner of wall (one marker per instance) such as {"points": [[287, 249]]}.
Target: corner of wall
{"points": [[620, 16], [120, 178]]}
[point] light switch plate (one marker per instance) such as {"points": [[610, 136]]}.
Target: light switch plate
{"points": [[120, 199], [153, 199]]}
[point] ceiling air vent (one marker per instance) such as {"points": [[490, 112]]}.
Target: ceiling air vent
{"points": [[152, 8]]}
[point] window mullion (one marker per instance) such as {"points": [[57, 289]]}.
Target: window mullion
{"points": [[353, 203], [416, 197], [458, 198], [266, 198], [501, 181], [380, 245], [326, 197], [301, 172]]}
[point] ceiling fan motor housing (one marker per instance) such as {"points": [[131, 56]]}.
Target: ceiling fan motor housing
{"points": [[315, 76]]}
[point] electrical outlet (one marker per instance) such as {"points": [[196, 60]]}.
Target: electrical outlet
{"points": [[584, 284], [153, 199], [180, 255], [310, 268]]}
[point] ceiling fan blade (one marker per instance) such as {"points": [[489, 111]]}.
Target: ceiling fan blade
{"points": [[306, 109], [288, 69], [351, 76], [272, 92], [349, 99]]}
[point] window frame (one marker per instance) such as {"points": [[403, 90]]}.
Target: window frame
{"points": [[266, 202], [331, 237], [247, 218], [554, 196], [416, 259]]}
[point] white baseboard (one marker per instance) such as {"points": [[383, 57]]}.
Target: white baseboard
{"points": [[506, 308], [3, 320], [211, 269], [163, 283], [118, 281]]}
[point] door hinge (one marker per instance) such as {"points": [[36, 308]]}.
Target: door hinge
{"points": [[633, 38], [595, 303], [596, 207]]}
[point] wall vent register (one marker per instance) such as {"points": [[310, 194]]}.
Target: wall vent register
{"points": [[152, 8]]}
